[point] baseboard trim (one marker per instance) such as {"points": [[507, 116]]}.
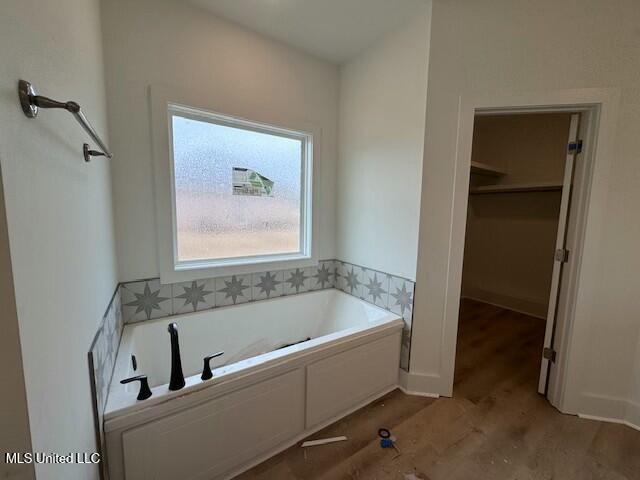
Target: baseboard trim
{"points": [[610, 420], [633, 415], [418, 394], [499, 305], [610, 409], [604, 406], [419, 384]]}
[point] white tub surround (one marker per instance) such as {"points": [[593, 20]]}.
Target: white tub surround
{"points": [[262, 398]]}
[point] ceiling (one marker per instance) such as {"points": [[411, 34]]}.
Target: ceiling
{"points": [[334, 30]]}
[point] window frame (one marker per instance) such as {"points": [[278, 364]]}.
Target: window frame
{"points": [[164, 105]]}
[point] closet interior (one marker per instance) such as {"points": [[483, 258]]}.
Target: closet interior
{"points": [[517, 173]]}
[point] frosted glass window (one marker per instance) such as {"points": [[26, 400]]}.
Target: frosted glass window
{"points": [[239, 190]]}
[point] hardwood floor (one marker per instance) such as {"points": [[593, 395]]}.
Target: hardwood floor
{"points": [[495, 427]]}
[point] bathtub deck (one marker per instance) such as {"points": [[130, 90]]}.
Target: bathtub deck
{"points": [[496, 427]]}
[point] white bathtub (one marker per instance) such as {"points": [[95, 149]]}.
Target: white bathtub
{"points": [[262, 398]]}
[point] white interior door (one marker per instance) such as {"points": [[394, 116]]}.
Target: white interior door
{"points": [[562, 255]]}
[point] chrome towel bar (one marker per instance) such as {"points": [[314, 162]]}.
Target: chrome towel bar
{"points": [[31, 102]]}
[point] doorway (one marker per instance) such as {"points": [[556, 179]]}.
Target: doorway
{"points": [[521, 177], [598, 108]]}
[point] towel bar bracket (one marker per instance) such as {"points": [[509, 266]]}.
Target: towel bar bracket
{"points": [[26, 92], [87, 153]]}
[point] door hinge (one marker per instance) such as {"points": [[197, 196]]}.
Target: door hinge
{"points": [[575, 147], [562, 255], [549, 354]]}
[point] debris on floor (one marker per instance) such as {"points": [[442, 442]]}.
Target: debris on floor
{"points": [[323, 441], [388, 441], [412, 476]]}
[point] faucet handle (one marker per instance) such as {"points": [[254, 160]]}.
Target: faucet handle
{"points": [[206, 370], [145, 391]]}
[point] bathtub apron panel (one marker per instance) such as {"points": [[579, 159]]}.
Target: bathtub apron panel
{"points": [[337, 383], [197, 444]]}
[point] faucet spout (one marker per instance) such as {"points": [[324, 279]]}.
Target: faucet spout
{"points": [[177, 377]]}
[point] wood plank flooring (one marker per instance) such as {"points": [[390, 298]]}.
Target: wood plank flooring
{"points": [[495, 427]]}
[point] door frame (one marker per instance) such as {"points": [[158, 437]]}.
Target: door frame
{"points": [[599, 109]]}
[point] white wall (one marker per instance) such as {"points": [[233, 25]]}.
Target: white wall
{"points": [[171, 43], [382, 114], [14, 417], [59, 216], [512, 46], [509, 245]]}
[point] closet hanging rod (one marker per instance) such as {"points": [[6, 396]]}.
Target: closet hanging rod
{"points": [[31, 101]]}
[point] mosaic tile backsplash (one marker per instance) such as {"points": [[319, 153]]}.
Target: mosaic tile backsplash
{"points": [[149, 299]]}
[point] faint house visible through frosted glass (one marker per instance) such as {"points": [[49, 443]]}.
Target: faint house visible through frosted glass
{"points": [[212, 223]]}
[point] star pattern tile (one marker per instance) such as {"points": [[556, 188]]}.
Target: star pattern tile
{"points": [[147, 301], [268, 283], [337, 275], [193, 294], [234, 288], [322, 277], [352, 282], [374, 288], [403, 298], [296, 281]]}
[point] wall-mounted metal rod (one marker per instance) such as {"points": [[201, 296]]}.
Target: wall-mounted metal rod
{"points": [[31, 101]]}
